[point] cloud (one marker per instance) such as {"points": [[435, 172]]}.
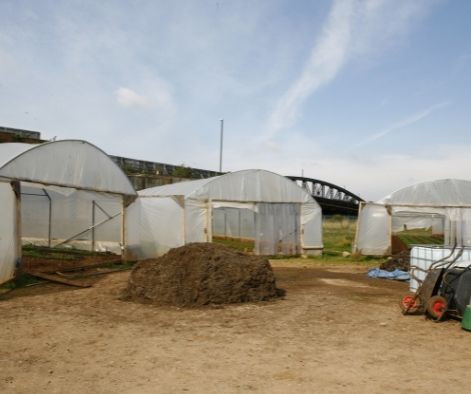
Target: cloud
{"points": [[129, 98], [327, 57], [370, 176], [414, 118], [352, 29]]}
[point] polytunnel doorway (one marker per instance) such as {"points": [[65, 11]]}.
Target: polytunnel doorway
{"points": [[262, 228], [63, 228], [385, 230], [416, 228], [61, 217]]}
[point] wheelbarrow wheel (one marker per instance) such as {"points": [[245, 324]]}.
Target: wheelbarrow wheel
{"points": [[410, 304], [436, 307]]}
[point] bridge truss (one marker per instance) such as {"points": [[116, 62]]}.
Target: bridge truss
{"points": [[333, 199]]}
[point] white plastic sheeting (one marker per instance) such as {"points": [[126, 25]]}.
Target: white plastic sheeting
{"points": [[234, 222], [374, 230], [155, 225], [258, 204], [439, 193], [449, 200], [70, 191], [53, 215], [67, 163], [278, 229], [406, 221], [8, 240]]}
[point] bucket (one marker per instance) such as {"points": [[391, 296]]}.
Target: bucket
{"points": [[466, 322]]}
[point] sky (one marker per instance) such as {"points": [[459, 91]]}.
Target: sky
{"points": [[371, 95]]}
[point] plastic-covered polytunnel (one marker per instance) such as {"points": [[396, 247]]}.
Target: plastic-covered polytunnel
{"points": [[65, 192], [277, 214], [443, 206]]}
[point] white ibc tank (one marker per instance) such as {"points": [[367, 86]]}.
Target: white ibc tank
{"points": [[422, 257]]}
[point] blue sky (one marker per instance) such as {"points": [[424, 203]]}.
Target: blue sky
{"points": [[372, 95]]}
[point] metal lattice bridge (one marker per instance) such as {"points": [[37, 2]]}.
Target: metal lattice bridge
{"points": [[333, 199]]}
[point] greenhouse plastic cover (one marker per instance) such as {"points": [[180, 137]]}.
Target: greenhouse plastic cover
{"points": [[8, 241], [51, 215], [61, 182], [193, 210], [245, 185], [69, 163], [439, 193], [374, 232], [447, 198]]}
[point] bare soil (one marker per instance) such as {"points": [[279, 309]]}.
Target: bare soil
{"points": [[398, 246], [336, 331]]}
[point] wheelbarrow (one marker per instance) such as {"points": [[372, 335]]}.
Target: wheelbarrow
{"points": [[444, 292], [425, 297]]}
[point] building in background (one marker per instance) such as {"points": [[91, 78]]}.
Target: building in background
{"points": [[142, 174], [10, 134]]}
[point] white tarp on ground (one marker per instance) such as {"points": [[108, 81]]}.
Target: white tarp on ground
{"points": [[67, 188], [448, 200], [279, 215]]}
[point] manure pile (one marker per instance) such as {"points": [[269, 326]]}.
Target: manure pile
{"points": [[201, 274]]}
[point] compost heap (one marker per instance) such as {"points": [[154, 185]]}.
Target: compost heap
{"points": [[399, 261], [201, 274]]}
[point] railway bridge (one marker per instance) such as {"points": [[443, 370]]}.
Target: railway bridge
{"points": [[333, 199]]}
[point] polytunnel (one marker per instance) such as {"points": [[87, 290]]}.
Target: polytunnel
{"points": [[65, 192], [442, 205], [274, 212]]}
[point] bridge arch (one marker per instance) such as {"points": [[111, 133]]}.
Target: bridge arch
{"points": [[332, 198]]}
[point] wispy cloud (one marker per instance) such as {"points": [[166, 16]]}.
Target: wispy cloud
{"points": [[352, 28], [361, 174], [157, 94], [414, 118], [129, 98], [327, 57]]}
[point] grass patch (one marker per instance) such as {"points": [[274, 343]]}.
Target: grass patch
{"points": [[338, 237], [58, 253], [22, 280], [338, 234], [241, 245]]}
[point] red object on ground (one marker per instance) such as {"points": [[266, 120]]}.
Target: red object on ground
{"points": [[410, 303]]}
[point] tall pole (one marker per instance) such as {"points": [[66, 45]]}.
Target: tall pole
{"points": [[220, 146]]}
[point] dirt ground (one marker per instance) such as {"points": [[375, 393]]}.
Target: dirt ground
{"points": [[336, 331]]}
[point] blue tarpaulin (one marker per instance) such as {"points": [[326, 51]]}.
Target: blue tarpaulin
{"points": [[383, 274]]}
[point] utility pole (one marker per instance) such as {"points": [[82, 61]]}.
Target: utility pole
{"points": [[220, 145]]}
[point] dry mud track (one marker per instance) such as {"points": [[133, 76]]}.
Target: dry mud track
{"points": [[336, 331]]}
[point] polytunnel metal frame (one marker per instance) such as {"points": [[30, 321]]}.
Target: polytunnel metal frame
{"points": [[27, 163]]}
